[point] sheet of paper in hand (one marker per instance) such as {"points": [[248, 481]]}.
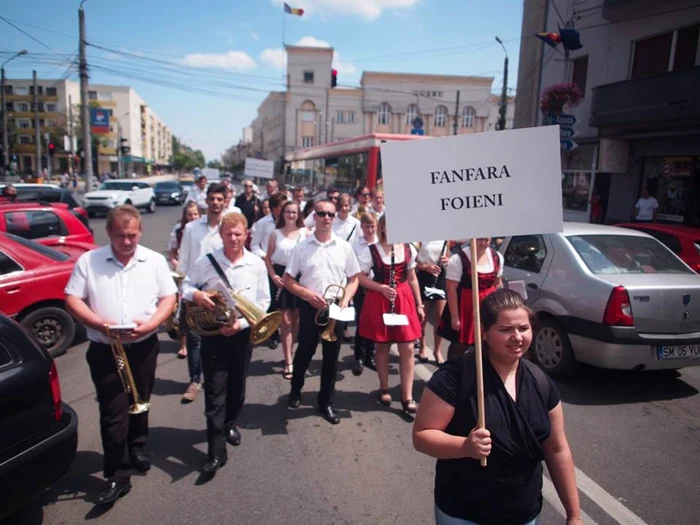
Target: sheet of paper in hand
{"points": [[434, 293], [395, 319], [341, 314]]}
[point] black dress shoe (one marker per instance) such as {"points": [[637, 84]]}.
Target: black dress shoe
{"points": [[329, 414], [140, 461], [233, 436], [272, 343], [211, 466], [358, 367], [371, 363], [112, 491], [294, 400]]}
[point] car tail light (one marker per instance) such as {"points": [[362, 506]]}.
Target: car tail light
{"points": [[55, 392], [82, 211], [618, 311]]}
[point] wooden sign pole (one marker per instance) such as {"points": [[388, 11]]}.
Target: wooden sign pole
{"points": [[481, 423]]}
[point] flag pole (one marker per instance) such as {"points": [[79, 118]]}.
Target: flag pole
{"points": [[284, 49], [481, 416]]}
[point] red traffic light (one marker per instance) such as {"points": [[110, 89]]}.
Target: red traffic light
{"points": [[52, 147], [334, 77]]}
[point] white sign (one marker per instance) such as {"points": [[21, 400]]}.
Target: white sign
{"points": [[480, 185], [259, 168]]}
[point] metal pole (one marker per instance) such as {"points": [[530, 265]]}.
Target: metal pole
{"points": [[71, 133], [5, 157], [84, 108], [119, 150], [456, 122], [37, 130], [47, 138]]}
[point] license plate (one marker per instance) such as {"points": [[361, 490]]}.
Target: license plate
{"points": [[678, 352]]}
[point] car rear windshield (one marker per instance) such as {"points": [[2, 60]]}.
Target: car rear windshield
{"points": [[39, 248], [610, 254], [167, 185]]}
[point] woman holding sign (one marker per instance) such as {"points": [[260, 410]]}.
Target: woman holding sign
{"points": [[524, 420], [392, 311], [457, 323], [430, 265]]}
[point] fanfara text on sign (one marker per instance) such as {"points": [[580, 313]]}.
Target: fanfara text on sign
{"points": [[259, 168], [481, 185]]}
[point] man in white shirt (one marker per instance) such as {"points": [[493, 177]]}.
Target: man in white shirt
{"points": [[200, 237], [271, 187], [378, 202], [263, 228], [298, 197], [646, 208], [332, 194], [345, 225], [321, 259], [198, 193], [226, 357], [120, 284]]}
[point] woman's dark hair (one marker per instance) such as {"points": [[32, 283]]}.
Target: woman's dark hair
{"points": [[183, 220], [309, 207], [281, 220], [502, 299]]}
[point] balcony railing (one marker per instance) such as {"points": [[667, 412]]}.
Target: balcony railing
{"points": [[668, 98]]}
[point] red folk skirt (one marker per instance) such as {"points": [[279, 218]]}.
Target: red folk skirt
{"points": [[371, 323], [465, 335]]}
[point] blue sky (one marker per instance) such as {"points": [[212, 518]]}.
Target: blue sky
{"points": [[205, 66]]}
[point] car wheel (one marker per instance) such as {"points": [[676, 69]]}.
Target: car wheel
{"points": [[52, 327], [551, 349], [151, 206]]}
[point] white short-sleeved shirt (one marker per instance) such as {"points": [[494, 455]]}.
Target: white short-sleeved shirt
{"points": [[366, 258], [646, 208], [430, 252], [346, 229], [117, 293], [172, 240], [198, 239], [260, 235], [284, 246], [360, 247], [310, 221], [321, 264], [454, 266], [232, 208], [198, 196], [247, 276]]}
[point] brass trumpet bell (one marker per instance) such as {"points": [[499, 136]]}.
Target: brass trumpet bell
{"points": [[323, 316]]}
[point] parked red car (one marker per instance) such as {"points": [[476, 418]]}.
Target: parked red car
{"points": [[43, 222], [32, 279], [684, 241]]}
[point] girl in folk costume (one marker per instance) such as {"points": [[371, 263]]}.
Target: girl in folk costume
{"points": [[190, 212], [457, 323], [290, 230], [431, 263], [394, 288]]}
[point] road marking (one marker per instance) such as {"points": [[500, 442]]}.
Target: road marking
{"points": [[608, 503]]}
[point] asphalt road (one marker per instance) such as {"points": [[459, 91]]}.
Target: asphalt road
{"points": [[635, 439]]}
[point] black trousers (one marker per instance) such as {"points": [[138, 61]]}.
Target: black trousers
{"points": [[225, 362], [120, 431], [364, 348], [308, 339]]}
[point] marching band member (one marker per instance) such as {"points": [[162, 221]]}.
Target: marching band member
{"points": [[225, 357], [322, 259], [198, 193], [190, 212], [378, 201], [332, 195], [394, 288], [457, 322], [200, 237], [430, 264], [364, 348], [119, 284], [298, 197], [290, 231], [229, 203], [264, 227], [363, 204], [345, 225], [248, 203]]}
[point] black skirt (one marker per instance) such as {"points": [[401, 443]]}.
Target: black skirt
{"points": [[286, 300], [428, 279]]}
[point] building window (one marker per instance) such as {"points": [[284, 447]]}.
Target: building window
{"points": [[440, 117], [579, 73], [666, 52], [340, 117], [308, 116], [24, 123], [22, 106], [350, 117], [308, 77], [23, 90], [40, 90], [307, 142], [25, 139], [468, 114], [412, 112], [8, 90], [92, 95], [51, 108], [50, 91], [384, 114]]}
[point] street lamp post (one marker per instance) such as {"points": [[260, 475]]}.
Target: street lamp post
{"points": [[5, 145], [502, 110], [84, 107]]}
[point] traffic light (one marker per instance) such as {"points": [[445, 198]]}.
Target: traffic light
{"points": [[51, 148], [123, 147], [334, 77]]}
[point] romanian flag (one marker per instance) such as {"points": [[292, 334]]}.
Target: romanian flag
{"points": [[551, 39], [293, 10]]}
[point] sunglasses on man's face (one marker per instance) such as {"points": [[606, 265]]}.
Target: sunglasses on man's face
{"points": [[324, 214]]}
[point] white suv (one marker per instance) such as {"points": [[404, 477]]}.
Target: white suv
{"points": [[114, 193]]}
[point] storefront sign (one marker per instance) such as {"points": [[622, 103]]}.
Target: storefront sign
{"points": [[480, 185], [429, 94], [99, 121], [613, 156]]}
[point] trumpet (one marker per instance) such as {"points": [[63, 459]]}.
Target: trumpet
{"points": [[138, 406], [323, 317]]}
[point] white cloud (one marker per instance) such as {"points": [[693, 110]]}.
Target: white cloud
{"points": [[277, 57], [368, 9], [255, 36], [232, 60]]}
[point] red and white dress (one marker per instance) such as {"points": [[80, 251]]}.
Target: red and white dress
{"points": [[372, 325], [459, 268]]}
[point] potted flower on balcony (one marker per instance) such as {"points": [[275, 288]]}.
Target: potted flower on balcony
{"points": [[557, 98]]}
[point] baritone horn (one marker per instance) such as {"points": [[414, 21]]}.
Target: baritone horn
{"points": [[138, 406], [323, 316]]}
